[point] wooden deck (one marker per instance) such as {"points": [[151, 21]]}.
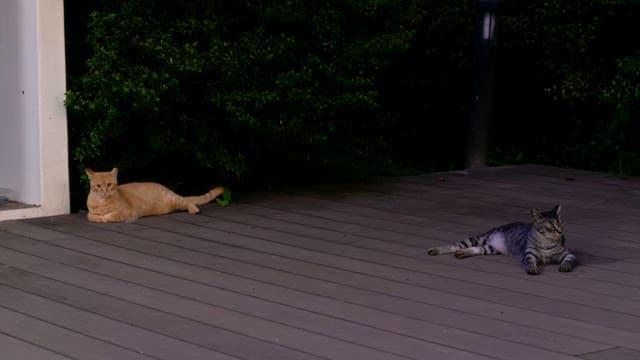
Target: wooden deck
{"points": [[331, 273]]}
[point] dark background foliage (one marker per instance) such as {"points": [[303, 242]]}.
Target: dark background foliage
{"points": [[261, 93]]}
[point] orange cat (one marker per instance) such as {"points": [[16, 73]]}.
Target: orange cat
{"points": [[110, 202]]}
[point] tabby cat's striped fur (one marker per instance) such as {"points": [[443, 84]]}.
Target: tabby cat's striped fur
{"points": [[539, 242]]}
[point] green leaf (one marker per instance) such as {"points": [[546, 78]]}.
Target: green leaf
{"points": [[226, 198]]}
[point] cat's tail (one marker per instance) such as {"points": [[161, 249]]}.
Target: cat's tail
{"points": [[203, 199]]}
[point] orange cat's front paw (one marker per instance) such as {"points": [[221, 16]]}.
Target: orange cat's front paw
{"points": [[109, 218], [193, 209], [96, 218]]}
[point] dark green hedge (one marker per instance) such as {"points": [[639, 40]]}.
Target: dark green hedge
{"points": [[237, 91], [568, 84], [262, 92]]}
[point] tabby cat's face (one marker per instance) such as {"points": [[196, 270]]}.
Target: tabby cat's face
{"points": [[548, 223], [103, 183]]}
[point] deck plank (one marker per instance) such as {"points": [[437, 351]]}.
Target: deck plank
{"points": [[403, 270], [614, 354], [348, 338], [376, 236], [168, 324], [98, 327], [255, 264], [303, 292], [397, 266], [332, 272], [56, 338], [15, 349], [302, 311]]}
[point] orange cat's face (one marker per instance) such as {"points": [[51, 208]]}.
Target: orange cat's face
{"points": [[103, 183]]}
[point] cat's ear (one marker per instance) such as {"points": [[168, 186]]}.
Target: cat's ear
{"points": [[556, 209], [537, 216], [114, 172], [89, 172]]}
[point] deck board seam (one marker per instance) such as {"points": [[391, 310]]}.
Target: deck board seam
{"points": [[311, 311], [340, 300], [36, 344], [237, 311], [73, 331], [373, 250], [403, 269], [140, 305], [351, 286]]}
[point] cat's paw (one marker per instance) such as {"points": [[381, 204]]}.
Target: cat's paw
{"points": [[193, 209], [433, 252], [459, 254], [565, 267], [96, 218], [533, 270]]}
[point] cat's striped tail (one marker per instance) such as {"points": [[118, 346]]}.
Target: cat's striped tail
{"points": [[203, 199], [458, 248]]}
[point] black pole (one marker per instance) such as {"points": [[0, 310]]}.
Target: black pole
{"points": [[483, 82]]}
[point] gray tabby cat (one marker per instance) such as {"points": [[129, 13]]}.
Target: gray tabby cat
{"points": [[538, 242]]}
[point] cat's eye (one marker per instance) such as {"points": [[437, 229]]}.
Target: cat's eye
{"points": [[549, 229], [552, 228]]}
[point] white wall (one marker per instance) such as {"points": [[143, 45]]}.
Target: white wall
{"points": [[19, 129], [33, 122]]}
